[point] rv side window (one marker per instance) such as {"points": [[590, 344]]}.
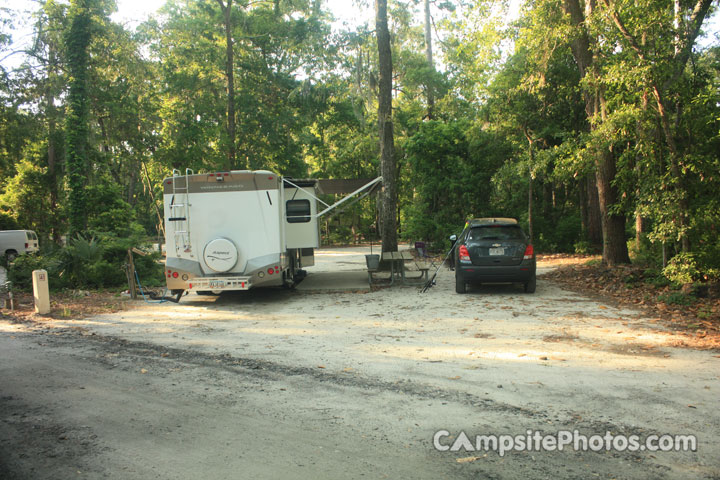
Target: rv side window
{"points": [[297, 211]]}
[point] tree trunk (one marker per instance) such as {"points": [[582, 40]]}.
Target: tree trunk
{"points": [[388, 193], [429, 58], [644, 136], [613, 226], [530, 206], [683, 204], [594, 222], [78, 40], [52, 157], [640, 228], [531, 155], [151, 193], [230, 77]]}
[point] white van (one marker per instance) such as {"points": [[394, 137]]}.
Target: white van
{"points": [[17, 242]]}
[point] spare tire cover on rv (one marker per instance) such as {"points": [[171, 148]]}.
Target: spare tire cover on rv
{"points": [[220, 255]]}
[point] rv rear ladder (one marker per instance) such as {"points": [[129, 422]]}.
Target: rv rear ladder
{"points": [[182, 215]]}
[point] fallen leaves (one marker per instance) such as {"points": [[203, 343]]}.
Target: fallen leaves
{"points": [[630, 285]]}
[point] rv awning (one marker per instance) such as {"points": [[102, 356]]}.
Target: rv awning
{"points": [[300, 182], [334, 186], [331, 186]]}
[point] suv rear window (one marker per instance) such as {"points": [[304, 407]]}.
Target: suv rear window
{"points": [[495, 233]]}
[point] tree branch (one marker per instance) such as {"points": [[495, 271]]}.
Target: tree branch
{"points": [[696, 20], [623, 29]]}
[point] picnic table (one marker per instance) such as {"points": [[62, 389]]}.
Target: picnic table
{"points": [[398, 268]]}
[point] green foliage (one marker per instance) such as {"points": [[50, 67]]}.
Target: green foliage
{"points": [[676, 298], [503, 122], [86, 263], [583, 247], [20, 270], [559, 236], [656, 278], [682, 269], [77, 41], [645, 253], [451, 165], [27, 195], [8, 222]]}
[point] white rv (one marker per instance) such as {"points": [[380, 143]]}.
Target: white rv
{"points": [[16, 242], [240, 229]]}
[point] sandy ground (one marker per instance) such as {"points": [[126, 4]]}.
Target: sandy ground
{"points": [[286, 384]]}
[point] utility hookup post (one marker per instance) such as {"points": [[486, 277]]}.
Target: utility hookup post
{"points": [[41, 292]]}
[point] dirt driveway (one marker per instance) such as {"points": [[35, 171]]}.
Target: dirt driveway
{"points": [[289, 384]]}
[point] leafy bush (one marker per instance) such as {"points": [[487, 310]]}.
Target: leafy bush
{"points": [[562, 235], [86, 263], [682, 269], [645, 252], [20, 271], [583, 247], [656, 278]]}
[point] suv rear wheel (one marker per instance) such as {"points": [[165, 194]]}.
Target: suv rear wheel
{"points": [[530, 286], [459, 283]]}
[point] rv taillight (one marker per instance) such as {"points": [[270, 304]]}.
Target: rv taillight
{"points": [[175, 274], [464, 254], [271, 271], [528, 252]]}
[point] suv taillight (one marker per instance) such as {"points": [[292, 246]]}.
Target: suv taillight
{"points": [[528, 252], [464, 254]]}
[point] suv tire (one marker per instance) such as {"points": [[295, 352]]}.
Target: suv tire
{"points": [[460, 286], [530, 286]]}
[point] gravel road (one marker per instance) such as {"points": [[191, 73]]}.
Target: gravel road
{"points": [[285, 384]]}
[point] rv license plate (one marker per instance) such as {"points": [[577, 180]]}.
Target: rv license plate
{"points": [[216, 284], [497, 251]]}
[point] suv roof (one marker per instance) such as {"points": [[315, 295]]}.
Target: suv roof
{"points": [[475, 222]]}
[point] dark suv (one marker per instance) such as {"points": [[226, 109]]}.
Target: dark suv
{"points": [[493, 250]]}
